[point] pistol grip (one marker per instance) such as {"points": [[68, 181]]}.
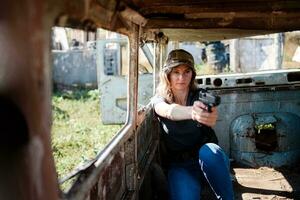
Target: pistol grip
{"points": [[209, 108]]}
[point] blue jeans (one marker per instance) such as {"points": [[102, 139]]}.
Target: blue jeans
{"points": [[185, 177]]}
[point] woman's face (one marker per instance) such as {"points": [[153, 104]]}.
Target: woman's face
{"points": [[180, 77]]}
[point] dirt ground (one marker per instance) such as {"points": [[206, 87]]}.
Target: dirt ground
{"points": [[266, 183]]}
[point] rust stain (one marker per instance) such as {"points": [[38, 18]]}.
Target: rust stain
{"points": [[111, 178]]}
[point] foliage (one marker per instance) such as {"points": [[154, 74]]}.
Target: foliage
{"points": [[205, 69], [77, 131], [261, 127]]}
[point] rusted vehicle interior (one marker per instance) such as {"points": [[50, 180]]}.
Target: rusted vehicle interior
{"points": [[123, 170]]}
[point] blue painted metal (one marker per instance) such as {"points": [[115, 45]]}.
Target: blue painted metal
{"points": [[244, 139], [252, 100]]}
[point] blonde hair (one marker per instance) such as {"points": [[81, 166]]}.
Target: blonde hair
{"points": [[164, 87]]}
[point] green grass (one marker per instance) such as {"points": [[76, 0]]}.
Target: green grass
{"points": [[204, 69], [77, 132]]}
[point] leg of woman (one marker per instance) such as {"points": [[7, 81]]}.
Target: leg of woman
{"points": [[215, 166], [184, 181]]}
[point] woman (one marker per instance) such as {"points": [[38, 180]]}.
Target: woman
{"points": [[187, 135]]}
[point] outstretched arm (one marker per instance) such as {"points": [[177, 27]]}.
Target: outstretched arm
{"points": [[173, 111], [178, 112]]}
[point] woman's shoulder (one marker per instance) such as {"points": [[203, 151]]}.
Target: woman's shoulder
{"points": [[157, 99]]}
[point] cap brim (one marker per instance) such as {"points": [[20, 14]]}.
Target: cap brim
{"points": [[177, 64]]}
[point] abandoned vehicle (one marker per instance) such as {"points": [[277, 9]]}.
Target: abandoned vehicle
{"points": [[258, 125]]}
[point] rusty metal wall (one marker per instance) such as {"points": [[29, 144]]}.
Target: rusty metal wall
{"points": [[27, 166], [148, 136]]}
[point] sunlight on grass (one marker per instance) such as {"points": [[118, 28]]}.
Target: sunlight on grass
{"points": [[77, 131]]}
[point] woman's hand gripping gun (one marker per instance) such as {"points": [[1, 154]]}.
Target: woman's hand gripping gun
{"points": [[209, 100]]}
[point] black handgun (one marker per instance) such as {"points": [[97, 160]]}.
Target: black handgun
{"points": [[209, 99]]}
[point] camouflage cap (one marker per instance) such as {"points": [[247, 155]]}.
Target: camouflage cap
{"points": [[179, 57]]}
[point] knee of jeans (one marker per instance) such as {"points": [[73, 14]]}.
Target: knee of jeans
{"points": [[210, 153]]}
